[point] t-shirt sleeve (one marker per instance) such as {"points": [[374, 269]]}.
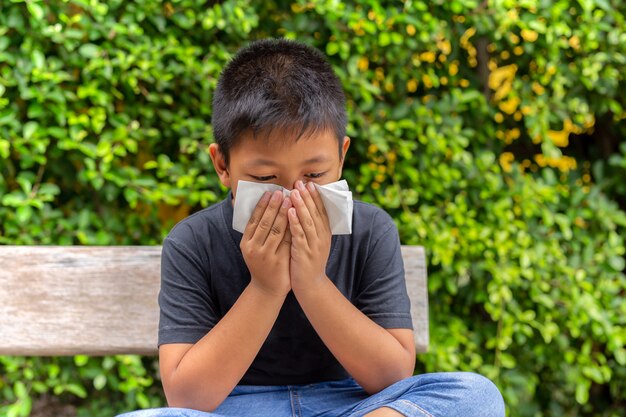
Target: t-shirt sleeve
{"points": [[382, 294], [187, 311]]}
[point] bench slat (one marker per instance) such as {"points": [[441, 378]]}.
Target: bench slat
{"points": [[102, 300]]}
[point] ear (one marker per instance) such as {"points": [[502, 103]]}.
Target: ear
{"points": [[219, 163], [344, 150]]}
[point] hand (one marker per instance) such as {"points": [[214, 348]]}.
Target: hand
{"points": [[311, 237], [266, 243]]}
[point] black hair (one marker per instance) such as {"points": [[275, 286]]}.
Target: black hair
{"points": [[277, 84]]}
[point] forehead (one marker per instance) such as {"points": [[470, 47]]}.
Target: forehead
{"points": [[280, 147]]}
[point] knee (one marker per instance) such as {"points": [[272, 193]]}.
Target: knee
{"points": [[480, 393]]}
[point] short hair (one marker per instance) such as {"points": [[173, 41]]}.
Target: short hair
{"points": [[277, 84]]}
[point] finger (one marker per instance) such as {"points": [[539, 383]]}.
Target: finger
{"points": [[267, 220], [311, 207], [298, 238], [304, 217], [278, 229], [321, 209], [256, 216], [285, 244]]}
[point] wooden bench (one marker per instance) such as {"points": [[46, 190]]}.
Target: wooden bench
{"points": [[102, 300]]}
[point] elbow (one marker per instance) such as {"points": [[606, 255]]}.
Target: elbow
{"points": [[206, 405], [189, 395], [376, 383]]}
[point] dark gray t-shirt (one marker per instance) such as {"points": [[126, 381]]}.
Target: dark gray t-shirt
{"points": [[203, 273]]}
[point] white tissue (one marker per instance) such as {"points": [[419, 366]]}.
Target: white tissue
{"points": [[336, 196]]}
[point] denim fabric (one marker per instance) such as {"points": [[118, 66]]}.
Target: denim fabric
{"points": [[452, 394]]}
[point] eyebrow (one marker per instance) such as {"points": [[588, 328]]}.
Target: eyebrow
{"points": [[270, 162]]}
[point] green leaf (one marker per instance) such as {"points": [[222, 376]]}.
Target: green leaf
{"points": [[23, 214], [77, 390], [35, 10], [100, 381], [89, 50], [81, 360], [332, 48], [617, 262], [29, 129], [38, 59]]}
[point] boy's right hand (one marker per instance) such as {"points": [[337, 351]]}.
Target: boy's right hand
{"points": [[266, 244]]}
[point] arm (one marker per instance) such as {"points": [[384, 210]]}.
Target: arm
{"points": [[202, 375], [374, 356]]}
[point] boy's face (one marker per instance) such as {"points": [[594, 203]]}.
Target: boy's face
{"points": [[280, 160]]}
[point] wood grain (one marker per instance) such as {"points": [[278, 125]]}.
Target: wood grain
{"points": [[102, 300]]}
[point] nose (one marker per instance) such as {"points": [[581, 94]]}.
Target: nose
{"points": [[290, 184]]}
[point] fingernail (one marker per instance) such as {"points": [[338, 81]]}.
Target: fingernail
{"points": [[286, 202], [311, 187], [300, 185], [296, 194], [266, 196], [276, 196]]}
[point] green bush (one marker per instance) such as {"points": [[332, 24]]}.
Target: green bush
{"points": [[482, 127]]}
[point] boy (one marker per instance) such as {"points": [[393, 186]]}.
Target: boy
{"points": [[286, 319]]}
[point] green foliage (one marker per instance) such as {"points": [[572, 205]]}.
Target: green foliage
{"points": [[477, 125], [110, 384]]}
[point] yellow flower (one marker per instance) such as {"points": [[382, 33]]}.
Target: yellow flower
{"points": [[501, 80], [363, 63], [538, 88], [454, 68], [468, 34], [574, 42], [428, 83], [518, 50], [529, 35], [464, 83], [498, 117], [560, 138], [428, 56], [410, 30], [506, 159], [510, 105], [443, 80], [411, 85], [444, 46], [513, 134]]}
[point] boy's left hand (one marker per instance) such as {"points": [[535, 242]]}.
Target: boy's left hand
{"points": [[310, 237]]}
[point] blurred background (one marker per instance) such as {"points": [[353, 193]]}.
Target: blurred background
{"points": [[492, 131]]}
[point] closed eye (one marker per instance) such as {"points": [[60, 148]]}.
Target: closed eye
{"points": [[315, 175], [266, 178]]}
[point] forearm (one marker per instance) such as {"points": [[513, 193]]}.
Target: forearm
{"points": [[210, 369], [372, 355]]}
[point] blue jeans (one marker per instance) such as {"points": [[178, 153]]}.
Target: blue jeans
{"points": [[461, 394]]}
